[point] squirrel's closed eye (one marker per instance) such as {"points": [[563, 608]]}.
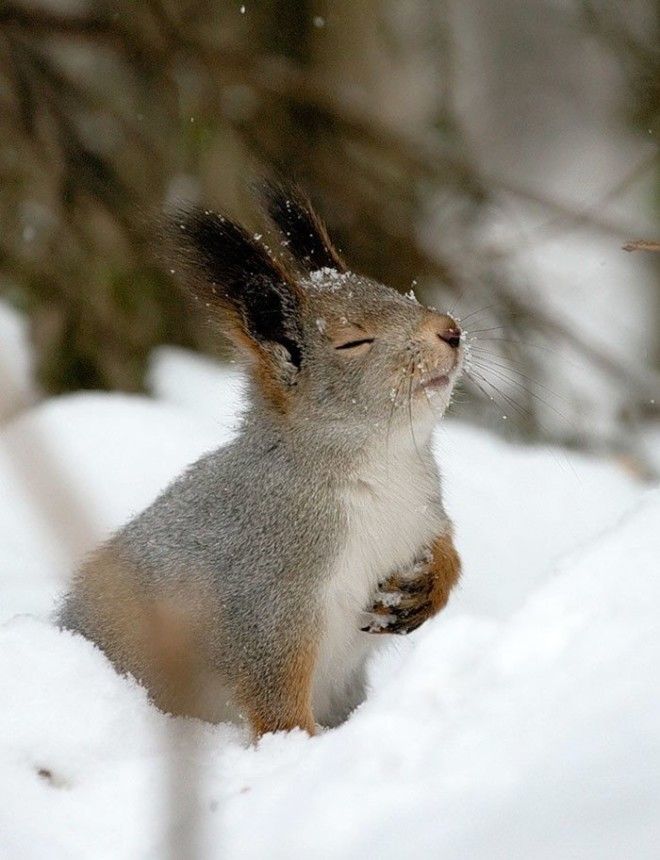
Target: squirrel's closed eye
{"points": [[352, 338], [354, 344]]}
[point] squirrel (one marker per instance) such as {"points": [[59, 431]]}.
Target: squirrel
{"points": [[258, 583]]}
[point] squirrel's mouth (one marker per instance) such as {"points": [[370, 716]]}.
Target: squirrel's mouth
{"points": [[434, 381]]}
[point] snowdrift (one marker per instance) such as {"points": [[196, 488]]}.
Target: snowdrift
{"points": [[522, 722]]}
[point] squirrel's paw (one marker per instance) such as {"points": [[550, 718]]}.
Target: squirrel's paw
{"points": [[402, 602]]}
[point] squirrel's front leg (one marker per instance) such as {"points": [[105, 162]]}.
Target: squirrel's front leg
{"points": [[406, 599]]}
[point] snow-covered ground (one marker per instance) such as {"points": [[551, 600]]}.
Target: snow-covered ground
{"points": [[522, 722]]}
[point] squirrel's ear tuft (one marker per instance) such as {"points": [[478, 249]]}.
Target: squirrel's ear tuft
{"points": [[234, 276], [305, 234]]}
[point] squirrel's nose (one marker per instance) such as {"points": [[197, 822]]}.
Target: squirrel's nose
{"points": [[447, 329], [440, 327], [451, 335]]}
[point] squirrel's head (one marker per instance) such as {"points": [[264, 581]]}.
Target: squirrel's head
{"points": [[324, 346]]}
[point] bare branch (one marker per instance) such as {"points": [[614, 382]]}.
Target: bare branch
{"points": [[642, 245]]}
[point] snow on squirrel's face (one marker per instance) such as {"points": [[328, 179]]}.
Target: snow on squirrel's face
{"points": [[373, 356]]}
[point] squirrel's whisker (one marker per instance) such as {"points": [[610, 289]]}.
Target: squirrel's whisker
{"points": [[461, 320], [512, 381]]}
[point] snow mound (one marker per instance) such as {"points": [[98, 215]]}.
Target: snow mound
{"points": [[519, 509], [522, 722], [535, 737]]}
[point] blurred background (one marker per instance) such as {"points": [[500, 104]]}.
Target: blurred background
{"points": [[494, 157]]}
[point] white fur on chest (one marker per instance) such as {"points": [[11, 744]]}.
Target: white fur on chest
{"points": [[393, 511]]}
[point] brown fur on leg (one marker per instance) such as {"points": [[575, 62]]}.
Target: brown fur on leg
{"points": [[284, 703], [406, 600], [444, 570]]}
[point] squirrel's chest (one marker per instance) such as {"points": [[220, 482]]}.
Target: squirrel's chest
{"points": [[391, 513]]}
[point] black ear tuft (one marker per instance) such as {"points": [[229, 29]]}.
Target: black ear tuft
{"points": [[232, 271], [307, 239]]}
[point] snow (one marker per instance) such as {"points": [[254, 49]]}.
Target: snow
{"points": [[522, 722], [327, 279]]}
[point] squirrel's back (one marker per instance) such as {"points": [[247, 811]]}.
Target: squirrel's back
{"points": [[209, 557]]}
